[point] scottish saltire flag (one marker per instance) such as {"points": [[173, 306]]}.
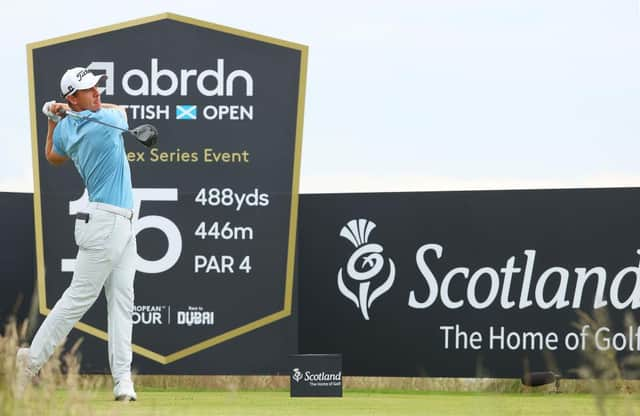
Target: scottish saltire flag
{"points": [[186, 112]]}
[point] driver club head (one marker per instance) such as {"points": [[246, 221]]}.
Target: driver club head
{"points": [[146, 134]]}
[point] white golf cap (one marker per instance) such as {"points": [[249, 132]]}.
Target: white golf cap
{"points": [[78, 78]]}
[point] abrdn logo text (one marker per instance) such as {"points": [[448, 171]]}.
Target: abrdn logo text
{"points": [[365, 263], [210, 82]]}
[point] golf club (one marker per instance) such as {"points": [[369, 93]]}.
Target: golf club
{"points": [[144, 133]]}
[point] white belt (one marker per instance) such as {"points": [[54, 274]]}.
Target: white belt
{"points": [[127, 213]]}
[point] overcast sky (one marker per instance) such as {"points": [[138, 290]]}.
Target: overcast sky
{"points": [[411, 95]]}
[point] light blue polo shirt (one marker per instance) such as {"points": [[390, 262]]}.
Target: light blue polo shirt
{"points": [[99, 155]]}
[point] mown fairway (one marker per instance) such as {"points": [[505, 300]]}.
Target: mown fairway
{"points": [[188, 403]]}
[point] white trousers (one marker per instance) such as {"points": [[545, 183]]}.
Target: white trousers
{"points": [[106, 258]]}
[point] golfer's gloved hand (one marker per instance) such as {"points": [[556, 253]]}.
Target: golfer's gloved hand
{"points": [[46, 110]]}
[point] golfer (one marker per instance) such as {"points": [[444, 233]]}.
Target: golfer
{"points": [[103, 232]]}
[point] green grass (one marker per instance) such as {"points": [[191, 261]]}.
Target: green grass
{"points": [[264, 403], [72, 394]]}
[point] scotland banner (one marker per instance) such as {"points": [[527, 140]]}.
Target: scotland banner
{"points": [[471, 284]]}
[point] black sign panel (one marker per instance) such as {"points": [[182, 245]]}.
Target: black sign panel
{"points": [[316, 375], [464, 284], [17, 256], [215, 202]]}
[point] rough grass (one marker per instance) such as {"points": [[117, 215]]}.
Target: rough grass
{"points": [[43, 397]]}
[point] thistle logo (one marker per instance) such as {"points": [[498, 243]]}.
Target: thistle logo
{"points": [[357, 232], [297, 375]]}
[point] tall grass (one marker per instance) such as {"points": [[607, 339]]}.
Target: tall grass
{"points": [[608, 371], [62, 371]]}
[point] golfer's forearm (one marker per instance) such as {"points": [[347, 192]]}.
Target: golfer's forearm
{"points": [[49, 143], [48, 147]]}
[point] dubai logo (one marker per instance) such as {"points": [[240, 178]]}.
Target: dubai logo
{"points": [[297, 375], [365, 263]]}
